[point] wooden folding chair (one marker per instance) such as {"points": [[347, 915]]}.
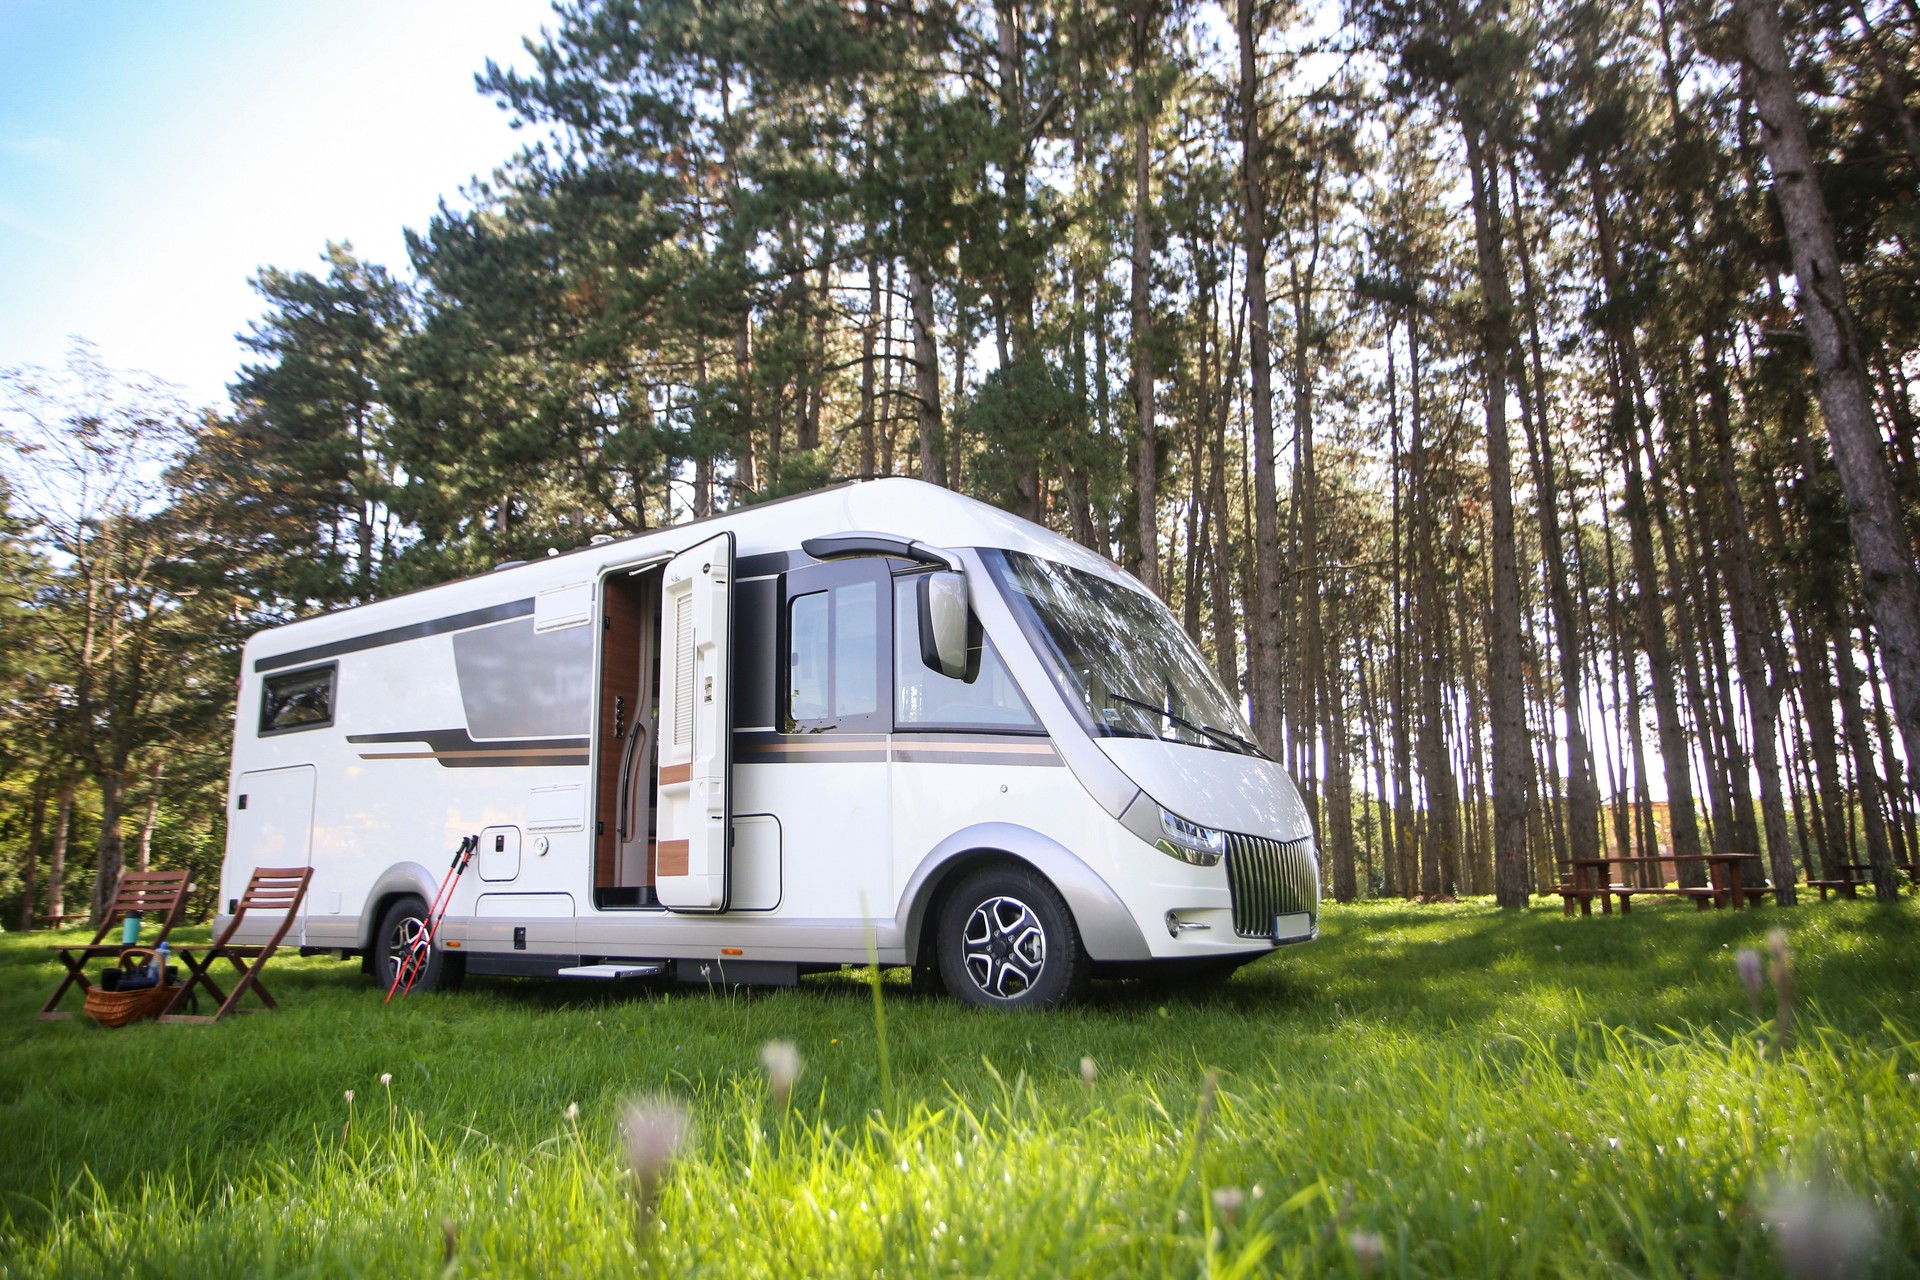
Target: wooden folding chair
{"points": [[149, 893], [271, 889]]}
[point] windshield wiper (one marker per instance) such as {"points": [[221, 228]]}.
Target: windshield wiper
{"points": [[1246, 744], [1233, 740]]}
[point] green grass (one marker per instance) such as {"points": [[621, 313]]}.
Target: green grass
{"points": [[1485, 1094]]}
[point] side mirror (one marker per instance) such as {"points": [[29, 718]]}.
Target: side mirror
{"points": [[949, 633]]}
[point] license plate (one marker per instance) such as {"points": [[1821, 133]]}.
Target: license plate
{"points": [[1292, 926]]}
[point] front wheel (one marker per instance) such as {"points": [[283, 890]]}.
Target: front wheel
{"points": [[401, 929], [1007, 940]]}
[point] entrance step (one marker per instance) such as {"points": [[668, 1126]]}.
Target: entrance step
{"points": [[630, 969]]}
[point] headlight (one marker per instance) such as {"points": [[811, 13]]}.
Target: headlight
{"points": [[1189, 841]]}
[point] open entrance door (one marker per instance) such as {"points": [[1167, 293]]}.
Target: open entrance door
{"points": [[696, 727]]}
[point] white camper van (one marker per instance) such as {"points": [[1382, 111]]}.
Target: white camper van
{"points": [[739, 750]]}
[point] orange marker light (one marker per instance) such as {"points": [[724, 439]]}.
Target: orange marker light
{"points": [[731, 951]]}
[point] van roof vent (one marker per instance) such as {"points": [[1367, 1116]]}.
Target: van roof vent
{"points": [[508, 564]]}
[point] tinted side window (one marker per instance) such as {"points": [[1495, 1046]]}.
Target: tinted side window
{"points": [[856, 649], [810, 682], [834, 661], [925, 699], [298, 700]]}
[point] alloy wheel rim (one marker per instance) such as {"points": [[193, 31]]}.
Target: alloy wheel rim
{"points": [[406, 935], [1004, 948]]}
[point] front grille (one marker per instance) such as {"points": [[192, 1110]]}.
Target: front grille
{"points": [[1269, 878]]}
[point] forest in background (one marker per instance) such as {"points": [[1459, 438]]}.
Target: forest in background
{"points": [[1552, 487]]}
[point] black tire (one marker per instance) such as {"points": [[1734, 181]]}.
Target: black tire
{"points": [[402, 922], [1006, 940]]}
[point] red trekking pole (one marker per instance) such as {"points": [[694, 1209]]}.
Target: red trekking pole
{"points": [[420, 947]]}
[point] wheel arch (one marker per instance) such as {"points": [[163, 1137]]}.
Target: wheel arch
{"points": [[396, 882], [1107, 928]]}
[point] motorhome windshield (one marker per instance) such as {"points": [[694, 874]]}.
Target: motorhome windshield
{"points": [[1119, 656]]}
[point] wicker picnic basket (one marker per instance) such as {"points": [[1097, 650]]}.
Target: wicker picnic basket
{"points": [[118, 1008]]}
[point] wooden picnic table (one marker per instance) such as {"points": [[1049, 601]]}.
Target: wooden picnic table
{"points": [[1854, 876], [1593, 878]]}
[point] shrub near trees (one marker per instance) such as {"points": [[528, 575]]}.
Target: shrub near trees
{"points": [[1474, 382]]}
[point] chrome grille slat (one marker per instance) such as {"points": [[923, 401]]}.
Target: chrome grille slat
{"points": [[1268, 878]]}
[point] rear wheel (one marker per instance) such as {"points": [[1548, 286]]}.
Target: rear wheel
{"points": [[401, 930], [1007, 940]]}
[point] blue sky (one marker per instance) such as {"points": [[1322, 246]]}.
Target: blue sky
{"points": [[154, 155]]}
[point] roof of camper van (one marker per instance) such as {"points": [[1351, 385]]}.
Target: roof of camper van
{"points": [[899, 506]]}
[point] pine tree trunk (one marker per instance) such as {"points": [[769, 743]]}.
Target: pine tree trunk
{"points": [[57, 854], [926, 377], [1892, 793], [1401, 874], [1867, 782], [148, 820], [1441, 848], [1468, 746], [743, 394], [30, 857], [1339, 785], [956, 438], [1192, 583], [1674, 586], [1372, 700], [1750, 631], [110, 857], [1682, 823], [888, 376], [1629, 419], [1621, 665], [1817, 702], [1016, 330], [1582, 789], [1147, 456], [1225, 632], [1714, 717], [1263, 623], [1313, 719], [1506, 692], [869, 333], [1880, 536]]}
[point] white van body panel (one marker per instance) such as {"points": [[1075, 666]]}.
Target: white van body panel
{"points": [[460, 708], [1232, 793]]}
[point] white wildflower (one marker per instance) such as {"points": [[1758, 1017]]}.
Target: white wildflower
{"points": [[781, 1060]]}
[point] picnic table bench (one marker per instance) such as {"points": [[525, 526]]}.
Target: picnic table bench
{"points": [[1855, 876], [1591, 878]]}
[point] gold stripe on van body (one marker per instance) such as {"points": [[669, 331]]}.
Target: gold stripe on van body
{"points": [[1028, 752], [456, 749], [933, 747], [812, 750], [569, 753]]}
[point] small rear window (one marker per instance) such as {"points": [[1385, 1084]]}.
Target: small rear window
{"points": [[298, 700]]}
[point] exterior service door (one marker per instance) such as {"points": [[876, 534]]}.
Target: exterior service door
{"points": [[272, 826], [695, 755]]}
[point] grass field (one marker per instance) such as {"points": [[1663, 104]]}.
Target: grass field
{"points": [[1426, 1091]]}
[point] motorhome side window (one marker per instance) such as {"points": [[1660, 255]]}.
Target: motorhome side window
{"points": [[926, 699], [833, 649], [298, 700]]}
